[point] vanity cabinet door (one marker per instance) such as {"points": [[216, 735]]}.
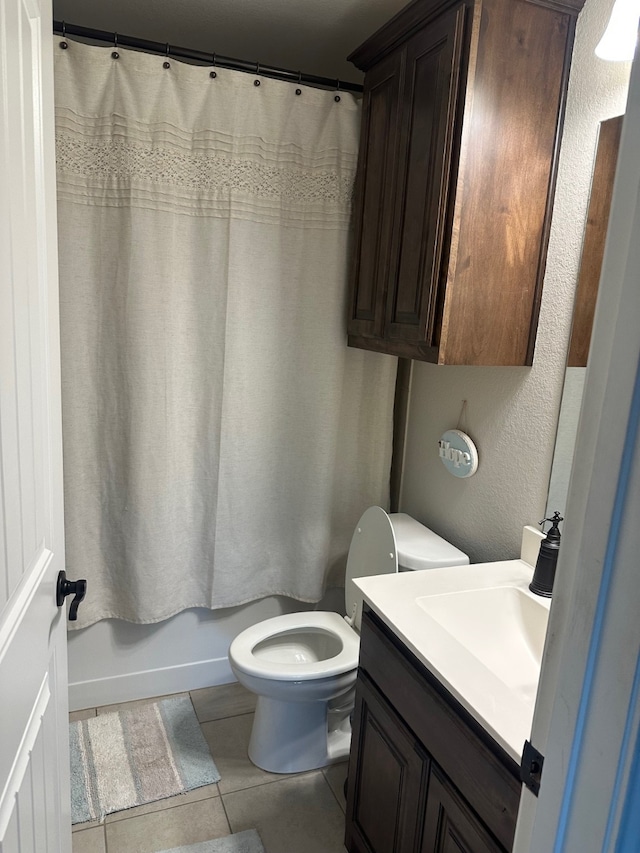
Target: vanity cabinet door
{"points": [[387, 782], [450, 825]]}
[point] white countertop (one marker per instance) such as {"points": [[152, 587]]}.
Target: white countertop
{"points": [[506, 714]]}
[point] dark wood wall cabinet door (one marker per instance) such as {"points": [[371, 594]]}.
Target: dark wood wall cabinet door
{"points": [[429, 97], [375, 194], [462, 116]]}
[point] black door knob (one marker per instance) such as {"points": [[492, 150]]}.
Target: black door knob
{"points": [[65, 588]]}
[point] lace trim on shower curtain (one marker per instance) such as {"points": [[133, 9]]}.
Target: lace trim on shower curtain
{"points": [[113, 162]]}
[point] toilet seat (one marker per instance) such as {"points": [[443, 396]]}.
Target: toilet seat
{"points": [[372, 552], [242, 648]]}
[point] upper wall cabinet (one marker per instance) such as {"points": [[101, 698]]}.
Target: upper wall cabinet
{"points": [[462, 116]]}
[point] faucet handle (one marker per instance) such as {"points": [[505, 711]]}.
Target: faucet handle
{"points": [[554, 521]]}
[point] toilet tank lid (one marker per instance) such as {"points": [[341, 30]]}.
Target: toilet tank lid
{"points": [[421, 548]]}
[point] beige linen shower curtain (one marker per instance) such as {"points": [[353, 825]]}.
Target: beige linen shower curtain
{"points": [[220, 439]]}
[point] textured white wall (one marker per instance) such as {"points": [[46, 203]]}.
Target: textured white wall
{"points": [[512, 413]]}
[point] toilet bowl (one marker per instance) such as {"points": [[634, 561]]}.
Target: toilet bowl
{"points": [[302, 666]]}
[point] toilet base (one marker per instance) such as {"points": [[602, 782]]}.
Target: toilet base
{"points": [[291, 737]]}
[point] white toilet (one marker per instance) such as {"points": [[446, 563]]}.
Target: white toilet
{"points": [[303, 666]]}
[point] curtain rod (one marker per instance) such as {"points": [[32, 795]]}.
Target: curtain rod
{"points": [[64, 29]]}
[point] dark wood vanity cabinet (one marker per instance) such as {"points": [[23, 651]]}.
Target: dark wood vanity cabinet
{"points": [[423, 775], [462, 114]]}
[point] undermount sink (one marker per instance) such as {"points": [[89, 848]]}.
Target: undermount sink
{"points": [[502, 627]]}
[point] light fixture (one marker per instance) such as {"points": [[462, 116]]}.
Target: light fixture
{"points": [[619, 40]]}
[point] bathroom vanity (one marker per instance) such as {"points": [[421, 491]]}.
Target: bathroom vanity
{"points": [[437, 732]]}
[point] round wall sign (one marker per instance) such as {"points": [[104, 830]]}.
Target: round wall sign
{"points": [[458, 453]]}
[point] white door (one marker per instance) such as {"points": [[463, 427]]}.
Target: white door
{"points": [[34, 775]]}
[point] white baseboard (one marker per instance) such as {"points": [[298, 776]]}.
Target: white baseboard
{"points": [[148, 683]]}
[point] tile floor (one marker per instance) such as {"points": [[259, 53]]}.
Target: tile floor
{"points": [[297, 813]]}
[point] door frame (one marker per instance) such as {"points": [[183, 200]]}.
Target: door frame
{"points": [[587, 716]]}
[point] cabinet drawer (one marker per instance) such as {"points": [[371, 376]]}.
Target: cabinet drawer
{"points": [[485, 776]]}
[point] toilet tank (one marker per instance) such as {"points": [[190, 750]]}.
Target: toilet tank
{"points": [[420, 548]]}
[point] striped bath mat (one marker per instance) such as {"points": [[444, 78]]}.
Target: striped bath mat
{"points": [[135, 756], [240, 842]]}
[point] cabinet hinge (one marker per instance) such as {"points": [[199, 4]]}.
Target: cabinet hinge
{"points": [[531, 767]]}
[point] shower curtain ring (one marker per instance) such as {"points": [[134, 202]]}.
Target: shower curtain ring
{"points": [[63, 44], [166, 64], [115, 54], [337, 97], [299, 91], [257, 82], [213, 74]]}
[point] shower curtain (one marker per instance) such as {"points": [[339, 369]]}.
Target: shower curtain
{"points": [[220, 439]]}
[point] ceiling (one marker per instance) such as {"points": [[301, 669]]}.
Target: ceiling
{"points": [[312, 37]]}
